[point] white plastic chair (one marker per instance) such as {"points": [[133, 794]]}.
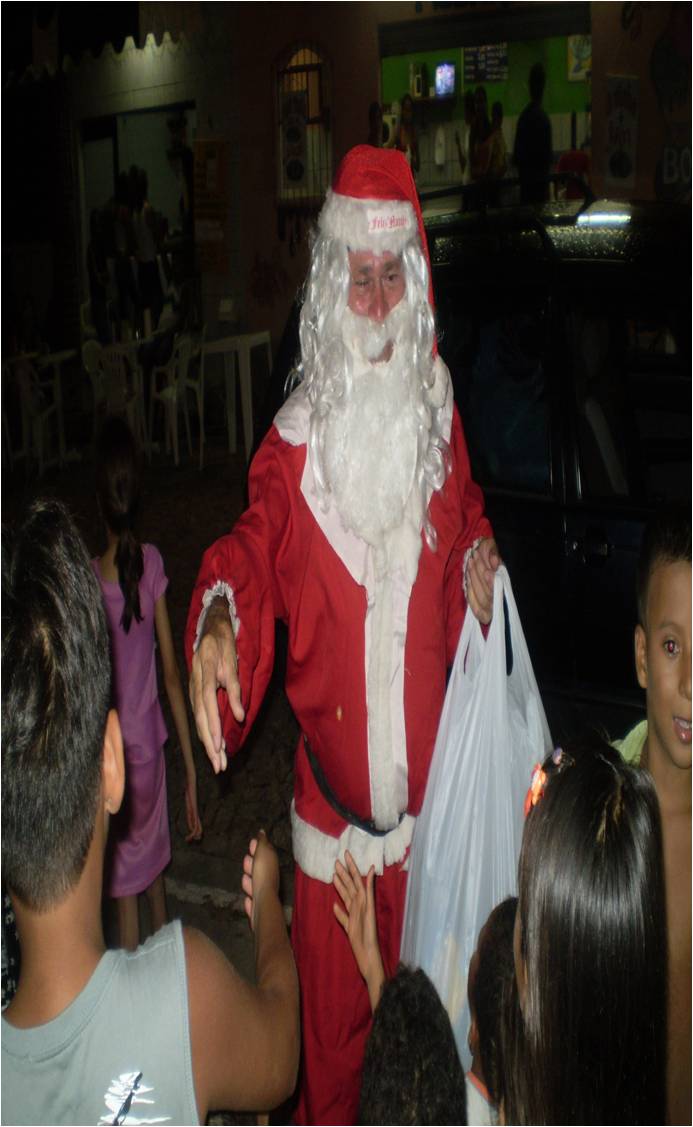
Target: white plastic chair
{"points": [[174, 375], [195, 381], [241, 347], [123, 392], [39, 408]]}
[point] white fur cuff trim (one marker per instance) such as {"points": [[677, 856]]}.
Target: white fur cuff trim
{"points": [[376, 225], [316, 852], [219, 589]]}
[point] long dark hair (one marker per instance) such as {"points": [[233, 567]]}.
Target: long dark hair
{"points": [[591, 947], [118, 473], [492, 991]]}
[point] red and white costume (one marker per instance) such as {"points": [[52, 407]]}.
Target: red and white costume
{"points": [[290, 557]]}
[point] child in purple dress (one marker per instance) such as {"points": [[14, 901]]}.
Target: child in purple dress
{"points": [[133, 584]]}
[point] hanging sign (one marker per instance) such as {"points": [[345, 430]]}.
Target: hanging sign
{"points": [[487, 63]]}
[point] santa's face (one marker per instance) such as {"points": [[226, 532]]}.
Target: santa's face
{"points": [[376, 283], [376, 286]]}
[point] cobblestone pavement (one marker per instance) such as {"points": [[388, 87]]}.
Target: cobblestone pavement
{"points": [[183, 511]]}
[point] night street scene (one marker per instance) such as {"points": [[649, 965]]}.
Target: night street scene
{"points": [[346, 563]]}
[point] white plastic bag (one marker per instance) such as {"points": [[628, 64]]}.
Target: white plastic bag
{"points": [[467, 838]]}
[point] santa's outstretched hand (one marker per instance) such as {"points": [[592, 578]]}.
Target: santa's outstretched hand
{"points": [[483, 563], [215, 665]]}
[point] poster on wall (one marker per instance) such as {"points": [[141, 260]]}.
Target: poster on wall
{"points": [[579, 58], [211, 206], [670, 72], [621, 130], [486, 63]]}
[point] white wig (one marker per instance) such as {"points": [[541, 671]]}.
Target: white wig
{"points": [[326, 365]]}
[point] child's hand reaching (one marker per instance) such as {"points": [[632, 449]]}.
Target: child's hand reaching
{"points": [[260, 873], [358, 920], [191, 811]]}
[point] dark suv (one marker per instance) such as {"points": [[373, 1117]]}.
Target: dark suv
{"points": [[567, 335]]}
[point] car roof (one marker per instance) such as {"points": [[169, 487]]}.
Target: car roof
{"points": [[639, 241]]}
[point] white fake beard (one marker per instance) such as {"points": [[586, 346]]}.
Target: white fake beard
{"points": [[370, 453]]}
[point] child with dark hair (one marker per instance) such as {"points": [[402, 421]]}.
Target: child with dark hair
{"points": [[492, 991], [169, 1031], [662, 744], [411, 1071], [133, 584], [590, 946]]}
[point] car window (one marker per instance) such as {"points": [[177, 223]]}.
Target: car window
{"points": [[496, 353], [633, 403]]}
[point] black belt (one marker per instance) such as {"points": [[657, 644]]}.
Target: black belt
{"points": [[328, 794]]}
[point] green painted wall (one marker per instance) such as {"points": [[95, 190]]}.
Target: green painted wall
{"points": [[560, 96]]}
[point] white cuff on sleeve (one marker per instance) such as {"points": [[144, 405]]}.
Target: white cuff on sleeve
{"points": [[226, 592]]}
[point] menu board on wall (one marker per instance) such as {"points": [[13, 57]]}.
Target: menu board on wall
{"points": [[211, 206], [486, 63], [621, 130]]}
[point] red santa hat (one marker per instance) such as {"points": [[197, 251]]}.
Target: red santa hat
{"points": [[373, 204]]}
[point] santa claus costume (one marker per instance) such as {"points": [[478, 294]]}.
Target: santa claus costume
{"points": [[362, 509]]}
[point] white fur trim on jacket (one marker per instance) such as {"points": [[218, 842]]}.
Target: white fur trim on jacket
{"points": [[376, 225], [387, 741], [224, 591], [316, 852]]}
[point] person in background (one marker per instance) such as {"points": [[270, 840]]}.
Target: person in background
{"points": [[121, 247], [479, 149], [412, 1072], [97, 270], [590, 946], [492, 992], [144, 224], [405, 136], [463, 150], [533, 152], [133, 583], [662, 745], [375, 125], [498, 160], [162, 1034], [576, 161]]}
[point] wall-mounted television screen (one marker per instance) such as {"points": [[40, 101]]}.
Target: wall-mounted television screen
{"points": [[445, 80]]}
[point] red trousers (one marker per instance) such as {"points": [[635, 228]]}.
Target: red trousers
{"points": [[335, 1009]]}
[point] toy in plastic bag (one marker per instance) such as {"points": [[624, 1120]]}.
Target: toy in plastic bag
{"points": [[467, 837]]}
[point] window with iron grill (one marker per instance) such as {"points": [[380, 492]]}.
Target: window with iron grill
{"points": [[304, 149]]}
